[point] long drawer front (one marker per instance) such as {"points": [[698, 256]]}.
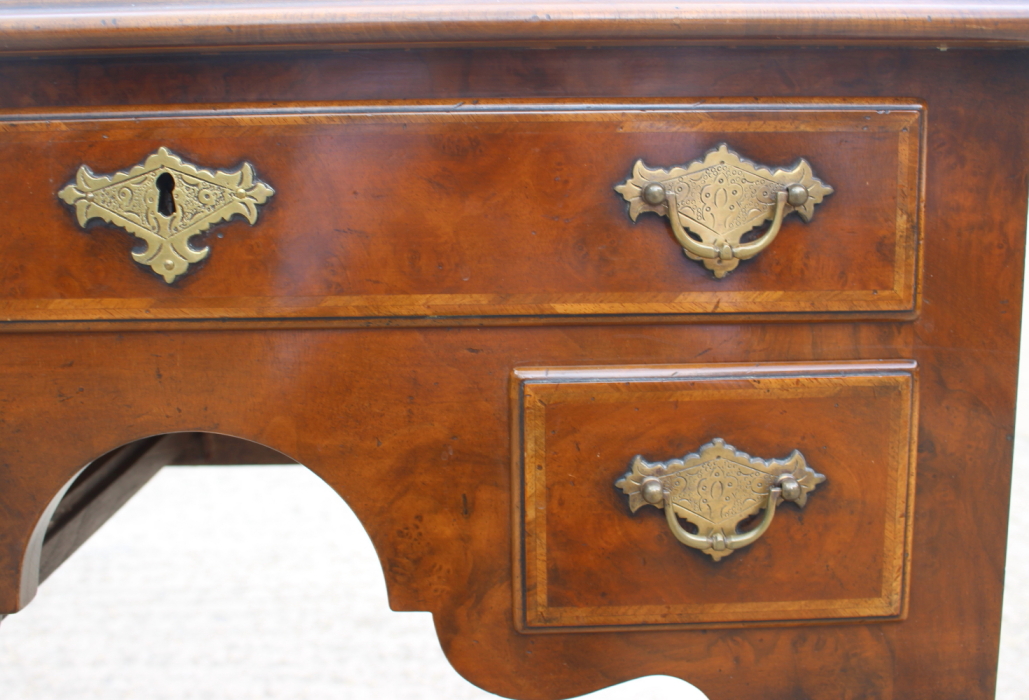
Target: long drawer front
{"points": [[385, 211]]}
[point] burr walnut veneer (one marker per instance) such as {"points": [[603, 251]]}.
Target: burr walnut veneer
{"points": [[424, 287]]}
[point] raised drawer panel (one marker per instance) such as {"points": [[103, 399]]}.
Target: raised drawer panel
{"points": [[586, 561], [413, 210]]}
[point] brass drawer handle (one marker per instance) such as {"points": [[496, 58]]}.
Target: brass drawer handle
{"points": [[716, 489], [165, 201], [720, 199]]}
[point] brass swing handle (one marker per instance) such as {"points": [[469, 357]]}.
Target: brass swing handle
{"points": [[719, 541], [723, 250], [716, 489], [712, 203]]}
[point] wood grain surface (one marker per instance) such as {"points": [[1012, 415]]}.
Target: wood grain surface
{"points": [[843, 557], [413, 426], [115, 25], [493, 209]]}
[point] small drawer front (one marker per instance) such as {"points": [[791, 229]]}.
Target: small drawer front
{"points": [[380, 211], [586, 560]]}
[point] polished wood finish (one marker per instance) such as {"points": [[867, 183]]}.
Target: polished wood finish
{"points": [[843, 556], [488, 210], [109, 25], [428, 412], [413, 426]]}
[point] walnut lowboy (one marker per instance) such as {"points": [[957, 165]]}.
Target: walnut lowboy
{"points": [[444, 312]]}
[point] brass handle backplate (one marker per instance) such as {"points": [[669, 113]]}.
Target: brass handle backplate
{"points": [[718, 200], [165, 201], [716, 489]]}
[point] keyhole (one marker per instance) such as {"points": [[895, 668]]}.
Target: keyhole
{"points": [[165, 201]]}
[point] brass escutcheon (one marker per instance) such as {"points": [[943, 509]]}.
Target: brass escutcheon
{"points": [[165, 202], [716, 489], [721, 198]]}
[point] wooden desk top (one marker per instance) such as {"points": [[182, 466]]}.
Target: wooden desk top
{"points": [[68, 26]]}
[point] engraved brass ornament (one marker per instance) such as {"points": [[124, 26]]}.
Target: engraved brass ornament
{"points": [[716, 489], [138, 201], [720, 199]]}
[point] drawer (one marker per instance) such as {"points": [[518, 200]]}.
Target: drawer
{"points": [[593, 553], [393, 211]]}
